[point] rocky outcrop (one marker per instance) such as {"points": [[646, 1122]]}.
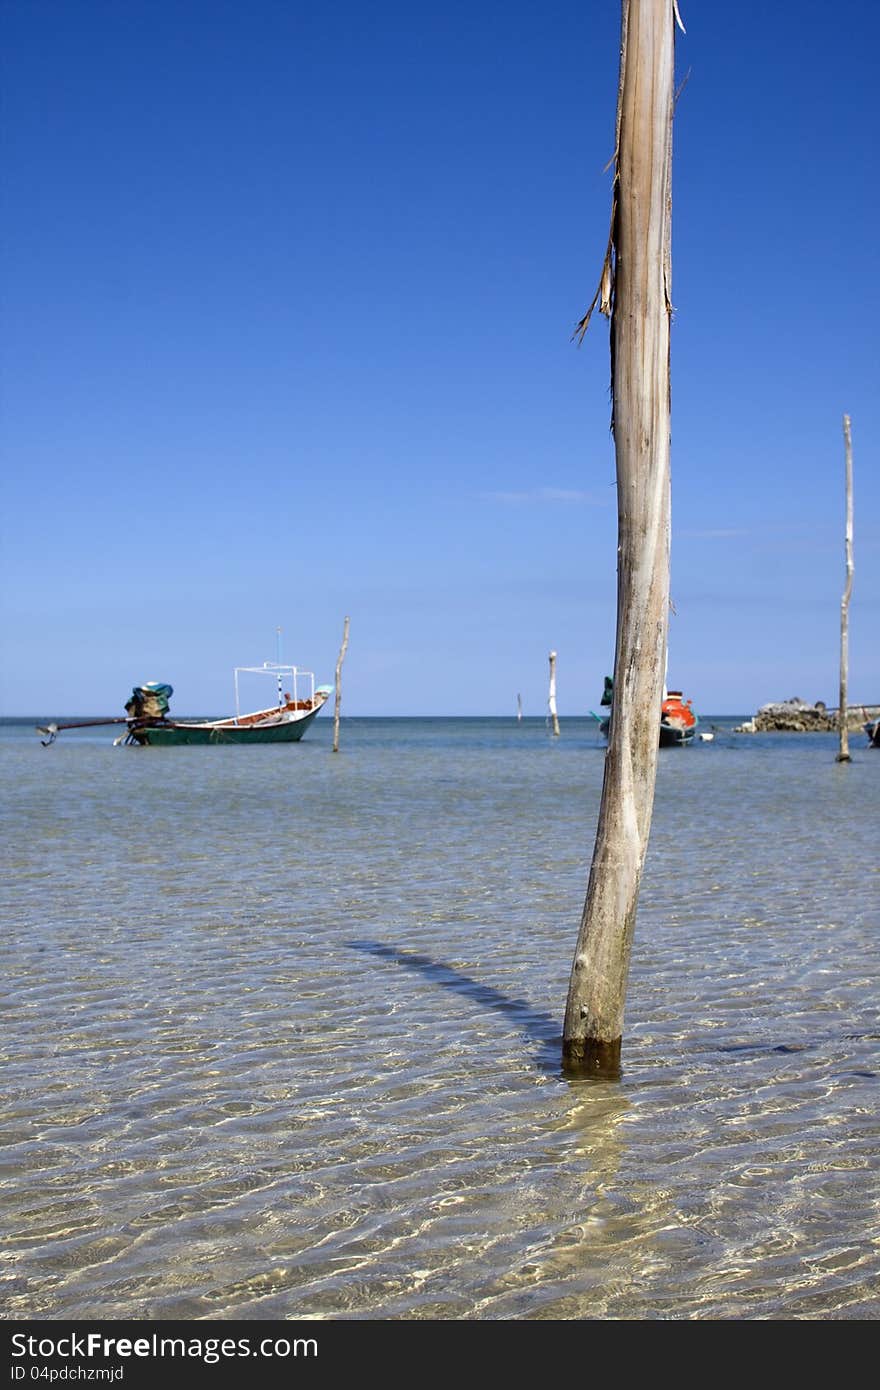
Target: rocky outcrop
{"points": [[796, 716]]}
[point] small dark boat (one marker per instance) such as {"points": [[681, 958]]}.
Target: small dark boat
{"points": [[678, 722], [872, 729]]}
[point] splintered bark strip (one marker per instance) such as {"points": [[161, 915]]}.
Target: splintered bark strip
{"points": [[842, 714], [339, 662], [640, 318]]}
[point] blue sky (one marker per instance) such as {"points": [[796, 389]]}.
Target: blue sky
{"points": [[288, 294]]}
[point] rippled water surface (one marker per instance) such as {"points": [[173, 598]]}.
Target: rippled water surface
{"points": [[282, 1030]]}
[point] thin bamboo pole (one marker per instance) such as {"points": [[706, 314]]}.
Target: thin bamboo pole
{"points": [[636, 287], [551, 697], [339, 661], [842, 716]]}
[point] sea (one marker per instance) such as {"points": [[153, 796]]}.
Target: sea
{"points": [[282, 1030]]}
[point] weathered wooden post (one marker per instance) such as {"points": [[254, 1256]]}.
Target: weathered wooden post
{"points": [[842, 713], [339, 661], [551, 697], [635, 292]]}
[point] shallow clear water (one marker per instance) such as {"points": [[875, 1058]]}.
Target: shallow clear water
{"points": [[282, 1030]]}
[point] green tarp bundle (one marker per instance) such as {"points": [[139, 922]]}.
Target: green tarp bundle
{"points": [[149, 701]]}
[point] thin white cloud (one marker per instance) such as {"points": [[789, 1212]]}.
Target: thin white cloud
{"points": [[542, 495]]}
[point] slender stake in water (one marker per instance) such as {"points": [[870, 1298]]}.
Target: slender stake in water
{"points": [[842, 716], [340, 659]]}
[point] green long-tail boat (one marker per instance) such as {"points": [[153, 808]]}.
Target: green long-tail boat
{"points": [[148, 724]]}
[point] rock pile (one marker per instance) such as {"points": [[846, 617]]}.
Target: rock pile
{"points": [[796, 716]]}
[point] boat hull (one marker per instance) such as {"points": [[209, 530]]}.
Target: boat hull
{"points": [[673, 737], [670, 736], [177, 735]]}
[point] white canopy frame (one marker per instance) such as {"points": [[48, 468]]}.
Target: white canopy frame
{"points": [[295, 675]]}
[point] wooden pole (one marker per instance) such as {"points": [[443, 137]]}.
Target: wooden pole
{"points": [[551, 698], [339, 661], [842, 716], [636, 287]]}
